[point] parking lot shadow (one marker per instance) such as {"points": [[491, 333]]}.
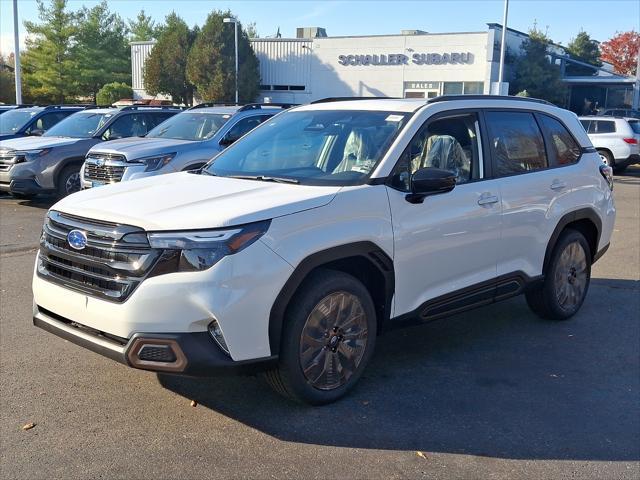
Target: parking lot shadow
{"points": [[497, 382]]}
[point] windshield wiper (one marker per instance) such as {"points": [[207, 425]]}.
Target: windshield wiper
{"points": [[265, 178]]}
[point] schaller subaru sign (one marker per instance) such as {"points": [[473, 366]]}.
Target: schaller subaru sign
{"points": [[401, 59]]}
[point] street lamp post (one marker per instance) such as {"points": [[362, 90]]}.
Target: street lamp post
{"points": [[503, 47], [235, 24], [16, 65]]}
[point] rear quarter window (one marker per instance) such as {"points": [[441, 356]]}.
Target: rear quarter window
{"points": [[563, 149], [635, 126]]}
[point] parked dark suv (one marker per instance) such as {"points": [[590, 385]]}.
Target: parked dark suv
{"points": [[51, 163], [24, 121]]}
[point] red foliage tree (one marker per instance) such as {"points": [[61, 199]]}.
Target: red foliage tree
{"points": [[622, 52]]}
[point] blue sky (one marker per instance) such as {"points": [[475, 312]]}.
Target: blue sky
{"points": [[563, 18]]}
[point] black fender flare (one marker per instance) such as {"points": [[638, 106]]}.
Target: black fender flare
{"points": [[367, 250], [580, 214], [65, 163]]}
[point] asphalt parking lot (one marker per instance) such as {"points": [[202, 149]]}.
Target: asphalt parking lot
{"points": [[493, 393]]}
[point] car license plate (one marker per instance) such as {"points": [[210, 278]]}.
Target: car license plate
{"points": [[97, 184]]}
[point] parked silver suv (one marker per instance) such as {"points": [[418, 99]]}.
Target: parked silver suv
{"points": [[51, 163], [185, 142]]}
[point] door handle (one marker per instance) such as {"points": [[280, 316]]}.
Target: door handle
{"points": [[558, 185], [487, 199]]}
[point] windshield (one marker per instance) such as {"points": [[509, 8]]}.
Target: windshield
{"points": [[190, 126], [13, 120], [337, 147], [79, 125]]}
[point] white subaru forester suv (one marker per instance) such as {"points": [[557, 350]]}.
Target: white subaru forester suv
{"points": [[292, 250]]}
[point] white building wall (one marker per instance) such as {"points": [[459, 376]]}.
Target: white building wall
{"points": [[286, 65], [330, 78], [139, 53]]}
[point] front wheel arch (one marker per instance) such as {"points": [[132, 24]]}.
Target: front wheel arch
{"points": [[366, 261]]}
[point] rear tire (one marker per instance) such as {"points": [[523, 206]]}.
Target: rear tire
{"points": [[607, 158], [566, 280], [68, 181], [328, 339]]}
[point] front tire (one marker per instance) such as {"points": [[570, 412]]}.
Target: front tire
{"points": [[328, 339], [68, 181], [566, 280]]}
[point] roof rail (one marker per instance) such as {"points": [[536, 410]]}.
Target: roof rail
{"points": [[445, 98], [258, 106], [346, 99], [74, 105], [213, 104], [153, 107]]}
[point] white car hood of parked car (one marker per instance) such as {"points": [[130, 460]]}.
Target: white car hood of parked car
{"points": [[183, 201], [34, 143], [139, 147]]}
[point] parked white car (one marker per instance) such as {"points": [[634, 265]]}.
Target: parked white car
{"points": [[328, 223], [617, 140]]}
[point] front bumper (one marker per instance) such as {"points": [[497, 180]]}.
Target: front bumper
{"points": [[26, 186], [198, 356]]}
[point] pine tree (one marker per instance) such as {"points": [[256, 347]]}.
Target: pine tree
{"points": [[211, 64], [143, 28], [535, 73], [48, 66], [101, 51], [583, 48], [165, 67]]}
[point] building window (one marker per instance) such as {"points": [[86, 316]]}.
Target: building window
{"points": [[452, 88], [413, 94], [473, 88], [270, 88]]}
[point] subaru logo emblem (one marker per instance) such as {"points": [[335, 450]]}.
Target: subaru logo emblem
{"points": [[100, 162], [77, 239]]}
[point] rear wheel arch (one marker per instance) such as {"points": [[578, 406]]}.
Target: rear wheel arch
{"points": [[609, 153], [584, 220], [365, 261]]}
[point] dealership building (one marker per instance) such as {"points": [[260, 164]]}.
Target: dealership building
{"points": [[413, 64]]}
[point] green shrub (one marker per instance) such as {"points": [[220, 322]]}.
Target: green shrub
{"points": [[112, 92]]}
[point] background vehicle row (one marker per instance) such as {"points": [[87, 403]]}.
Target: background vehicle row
{"points": [[184, 142], [51, 163]]}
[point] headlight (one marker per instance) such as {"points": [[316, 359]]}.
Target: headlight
{"points": [[28, 155], [201, 249], [156, 162]]}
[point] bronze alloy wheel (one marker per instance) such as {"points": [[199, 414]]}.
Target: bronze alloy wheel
{"points": [[333, 340], [571, 276]]}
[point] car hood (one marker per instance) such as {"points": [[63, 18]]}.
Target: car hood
{"points": [[186, 201], [139, 147], [32, 143]]}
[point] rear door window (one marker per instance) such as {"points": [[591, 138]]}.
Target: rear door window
{"points": [[605, 126], [516, 143], [563, 149]]}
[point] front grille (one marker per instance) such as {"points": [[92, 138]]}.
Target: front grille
{"points": [[116, 259], [104, 168], [8, 160]]}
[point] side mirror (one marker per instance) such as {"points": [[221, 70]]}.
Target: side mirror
{"points": [[37, 132], [430, 181]]}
